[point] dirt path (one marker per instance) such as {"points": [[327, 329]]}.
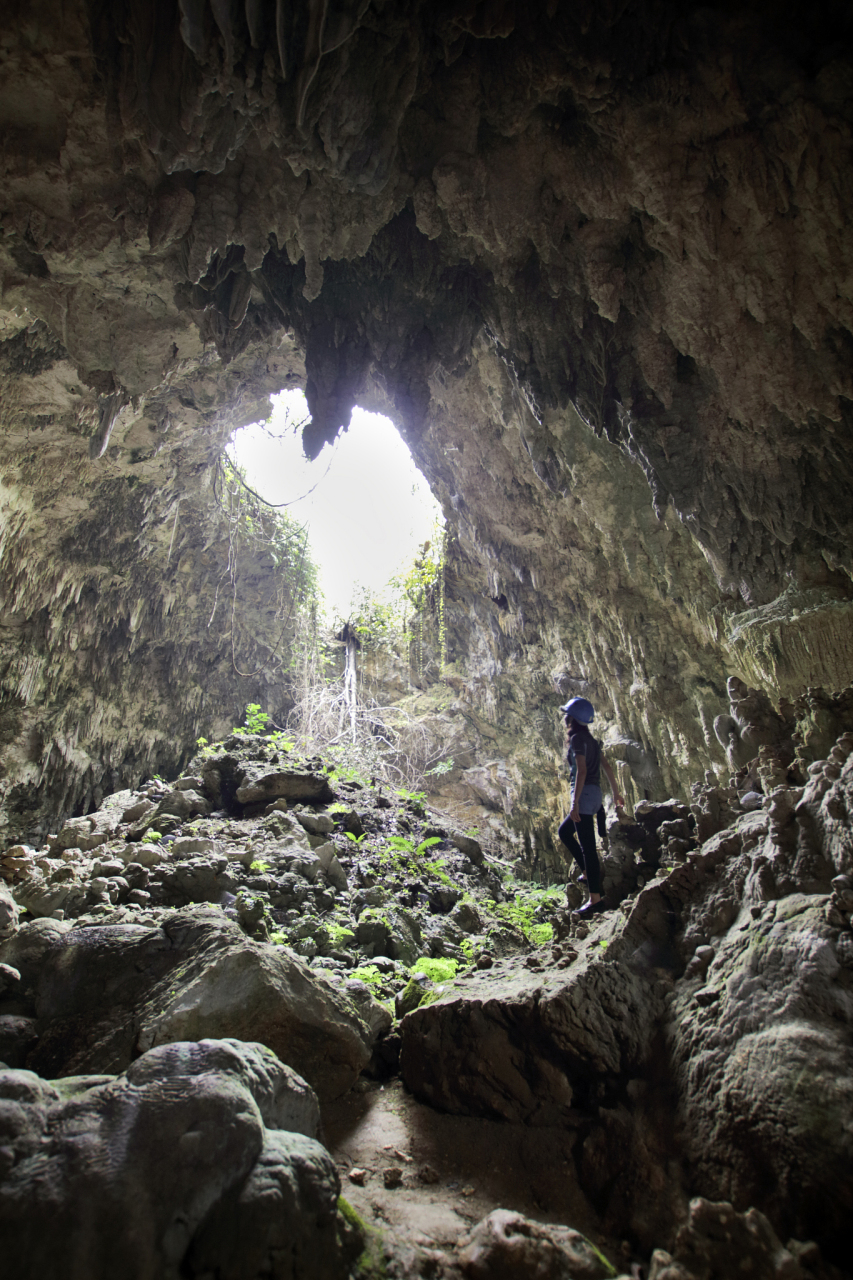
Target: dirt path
{"points": [[452, 1170]]}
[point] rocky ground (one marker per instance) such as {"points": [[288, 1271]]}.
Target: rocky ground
{"points": [[475, 1065]]}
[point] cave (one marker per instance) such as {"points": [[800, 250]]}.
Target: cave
{"points": [[593, 260]]}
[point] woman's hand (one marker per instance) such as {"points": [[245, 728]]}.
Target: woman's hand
{"points": [[575, 814]]}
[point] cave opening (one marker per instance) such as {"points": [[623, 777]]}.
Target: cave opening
{"points": [[366, 506]]}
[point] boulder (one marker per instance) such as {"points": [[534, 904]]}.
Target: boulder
{"points": [[258, 784], [147, 855], [767, 1119], [200, 1157], [186, 846], [511, 1044], [17, 1037], [318, 824], [328, 860], [102, 994], [717, 1241], [469, 846], [508, 1246], [8, 912], [183, 804]]}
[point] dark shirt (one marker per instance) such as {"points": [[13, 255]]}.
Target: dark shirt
{"points": [[582, 743]]}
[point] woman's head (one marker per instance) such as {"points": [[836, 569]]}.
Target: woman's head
{"points": [[578, 710]]}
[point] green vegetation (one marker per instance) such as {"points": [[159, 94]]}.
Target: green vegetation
{"points": [[371, 1264], [259, 866], [367, 973], [409, 846], [256, 720], [443, 766], [340, 935], [436, 968], [529, 903], [416, 798]]}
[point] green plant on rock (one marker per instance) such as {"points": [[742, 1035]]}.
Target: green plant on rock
{"points": [[367, 973], [443, 766], [436, 968], [340, 935], [421, 584], [470, 948], [437, 869], [405, 845], [255, 721], [417, 798], [264, 537], [523, 911]]}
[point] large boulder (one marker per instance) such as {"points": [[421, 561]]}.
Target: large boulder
{"points": [[195, 1148], [100, 995], [511, 1043], [259, 784], [8, 912]]}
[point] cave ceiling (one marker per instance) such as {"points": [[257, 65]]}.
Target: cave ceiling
{"points": [[593, 259]]}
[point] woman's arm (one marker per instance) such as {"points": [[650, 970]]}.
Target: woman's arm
{"points": [[580, 779]]}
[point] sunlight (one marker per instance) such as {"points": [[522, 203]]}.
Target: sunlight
{"points": [[366, 505]]}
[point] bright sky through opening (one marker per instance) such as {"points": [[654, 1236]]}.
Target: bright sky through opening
{"points": [[371, 509]]}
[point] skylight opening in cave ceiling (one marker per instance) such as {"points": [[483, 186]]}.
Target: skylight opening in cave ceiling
{"points": [[367, 507]]}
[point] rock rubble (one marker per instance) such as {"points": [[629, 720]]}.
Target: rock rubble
{"points": [[692, 1041]]}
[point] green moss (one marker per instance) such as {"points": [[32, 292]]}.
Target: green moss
{"points": [[605, 1262], [352, 1216], [436, 968], [371, 1264]]}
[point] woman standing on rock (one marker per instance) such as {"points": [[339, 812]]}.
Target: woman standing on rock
{"points": [[585, 758]]}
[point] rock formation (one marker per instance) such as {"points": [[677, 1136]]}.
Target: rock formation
{"points": [[591, 260], [687, 1053], [594, 261]]}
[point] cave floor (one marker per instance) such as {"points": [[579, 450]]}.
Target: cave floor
{"points": [[455, 1169]]}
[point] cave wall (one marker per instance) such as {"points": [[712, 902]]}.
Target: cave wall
{"points": [[594, 262]]}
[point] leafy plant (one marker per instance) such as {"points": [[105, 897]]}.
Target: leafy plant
{"points": [[443, 766], [539, 934], [355, 839], [340, 935], [414, 797], [153, 835], [255, 721], [408, 846], [367, 973], [522, 912], [437, 869], [259, 866], [436, 968]]}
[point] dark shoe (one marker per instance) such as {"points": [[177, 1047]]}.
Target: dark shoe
{"points": [[590, 909]]}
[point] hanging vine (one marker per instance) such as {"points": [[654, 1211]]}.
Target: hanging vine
{"points": [[257, 529]]}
